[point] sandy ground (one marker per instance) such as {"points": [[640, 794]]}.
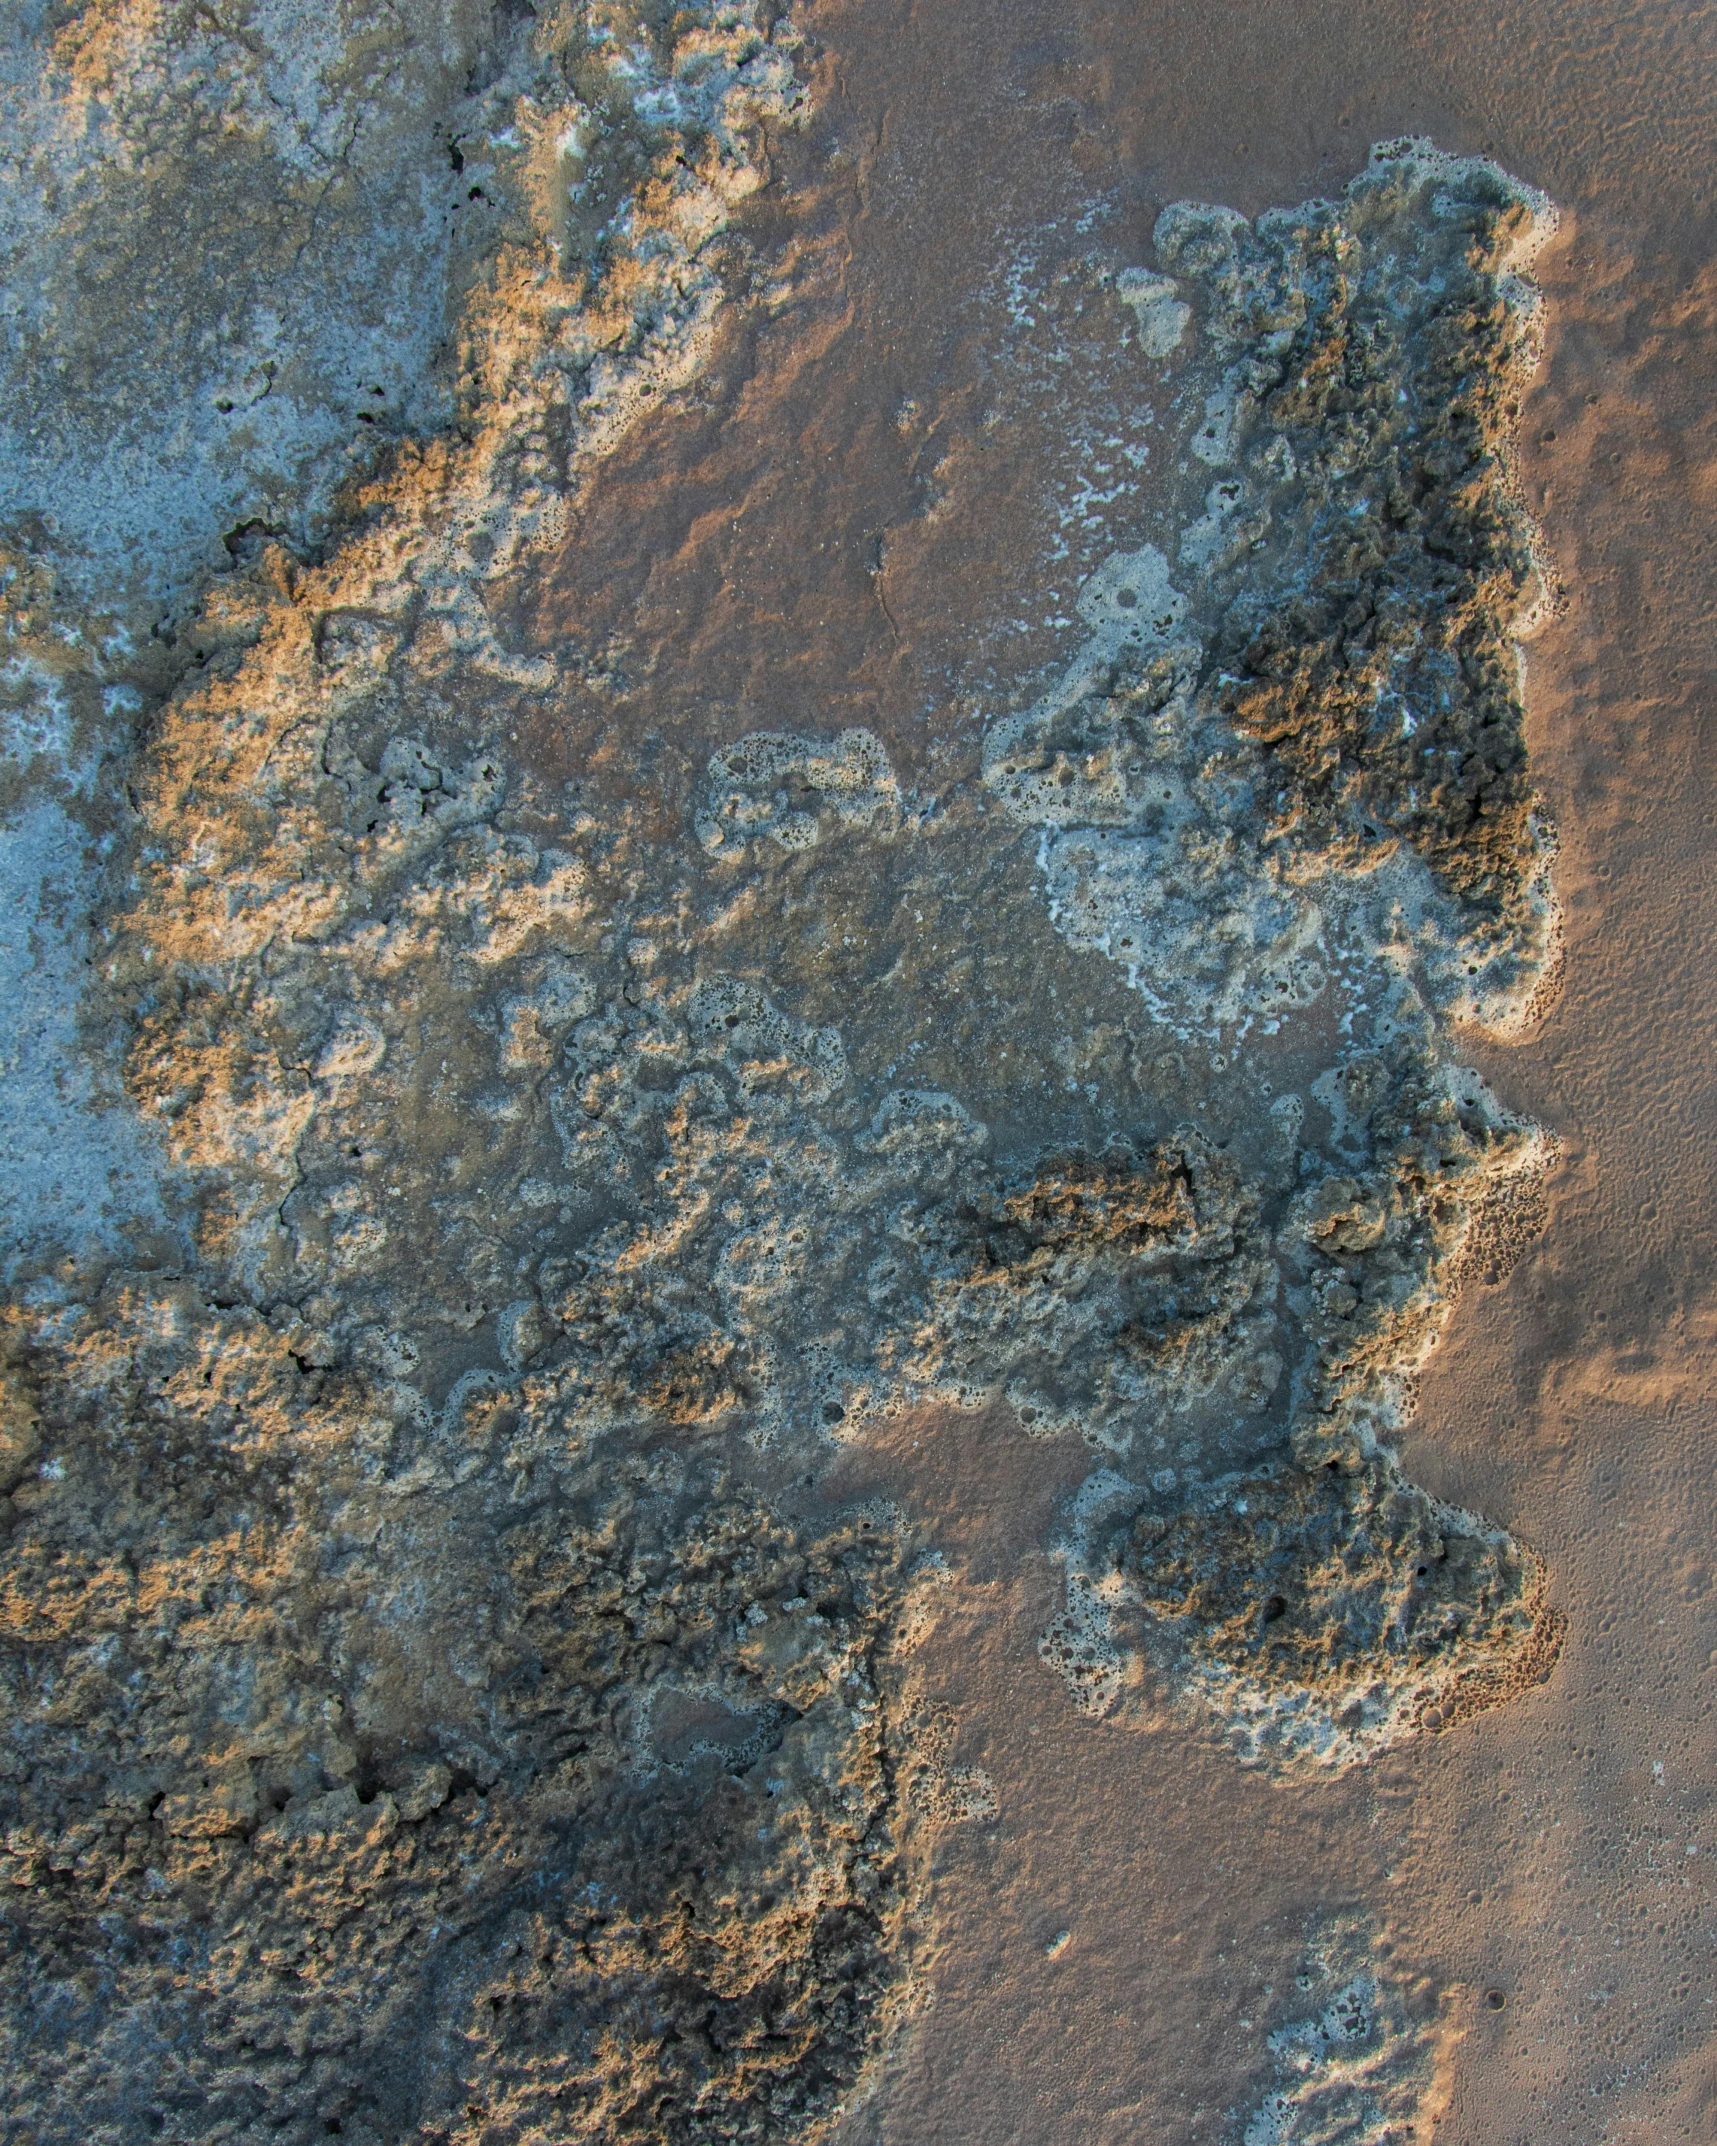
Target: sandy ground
{"points": [[1114, 1949], [1557, 1852]]}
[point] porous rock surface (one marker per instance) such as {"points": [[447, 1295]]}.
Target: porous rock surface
{"points": [[443, 1701], [1370, 2058]]}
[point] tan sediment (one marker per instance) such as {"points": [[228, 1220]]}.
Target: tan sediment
{"points": [[478, 908]]}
